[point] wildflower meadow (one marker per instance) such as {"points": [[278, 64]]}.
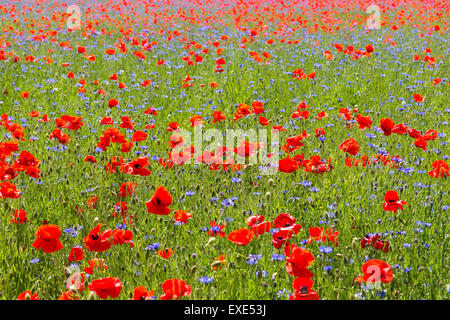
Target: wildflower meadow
{"points": [[224, 150]]}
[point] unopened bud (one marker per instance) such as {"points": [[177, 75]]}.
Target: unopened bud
{"points": [[92, 296], [268, 195], [193, 269], [355, 243], [211, 240]]}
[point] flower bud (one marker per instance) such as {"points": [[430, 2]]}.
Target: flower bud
{"points": [[355, 243]]}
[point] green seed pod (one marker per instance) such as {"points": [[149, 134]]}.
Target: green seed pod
{"points": [[268, 195], [271, 182], [355, 243], [193, 269]]}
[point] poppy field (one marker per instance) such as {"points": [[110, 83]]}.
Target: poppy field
{"points": [[227, 149]]}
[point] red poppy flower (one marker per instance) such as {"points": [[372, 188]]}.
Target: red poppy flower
{"points": [[287, 165], [263, 121], [261, 228], [302, 289], [363, 121], [139, 136], [182, 216], [90, 159], [122, 208], [47, 238], [173, 126], [27, 295], [387, 125], [106, 287], [106, 120], [113, 103], [121, 236], [413, 133], [369, 48], [298, 260], [165, 253], [241, 237], [160, 202], [137, 167], [421, 143], [376, 271], [399, 129], [418, 97], [19, 216], [175, 141], [440, 169], [350, 146], [61, 136], [284, 221], [76, 254], [9, 190], [175, 289], [375, 242], [320, 132], [392, 201], [196, 121], [95, 264], [141, 293], [97, 241], [318, 234], [127, 189], [280, 237]]}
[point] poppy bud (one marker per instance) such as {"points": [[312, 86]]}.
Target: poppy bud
{"points": [[271, 182], [216, 263], [158, 142], [27, 296], [274, 276], [153, 230], [355, 243], [268, 195], [92, 296], [339, 255], [193, 269], [96, 219], [211, 240]]}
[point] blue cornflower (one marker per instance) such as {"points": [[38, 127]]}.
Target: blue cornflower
{"points": [[325, 250], [327, 268], [278, 257], [206, 280], [153, 246]]}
